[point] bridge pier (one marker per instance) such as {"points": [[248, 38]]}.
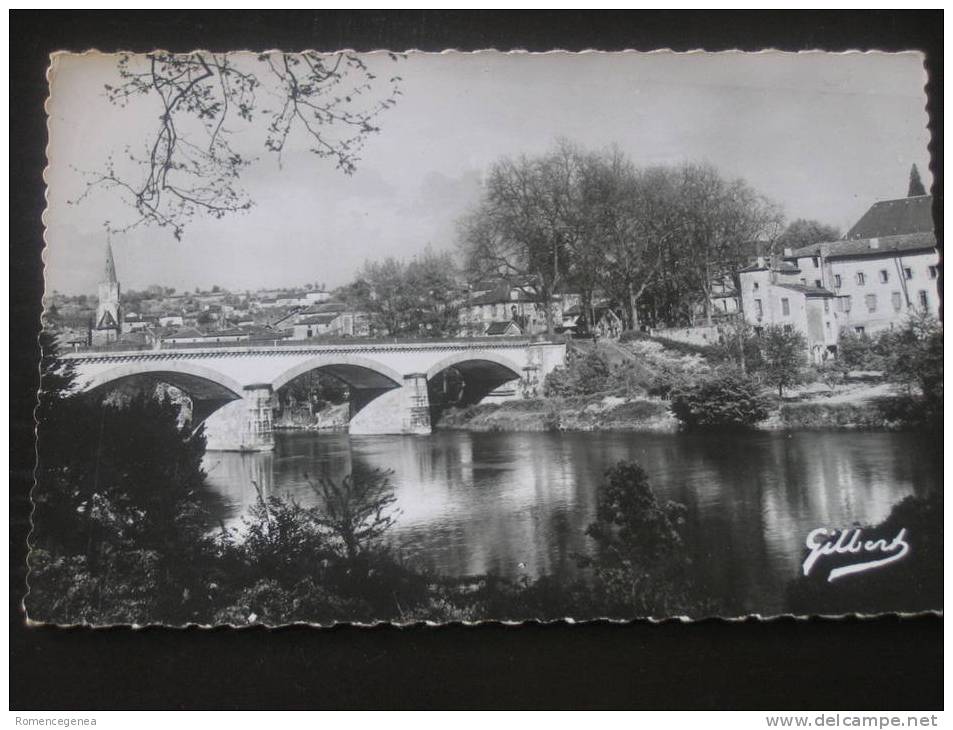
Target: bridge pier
{"points": [[399, 410], [243, 425]]}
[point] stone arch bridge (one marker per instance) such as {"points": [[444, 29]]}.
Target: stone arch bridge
{"points": [[232, 388]]}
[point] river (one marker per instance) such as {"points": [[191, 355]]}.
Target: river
{"points": [[519, 503]]}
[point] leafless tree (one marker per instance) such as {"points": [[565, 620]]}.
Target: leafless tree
{"points": [[723, 220], [638, 223], [525, 225], [191, 163]]}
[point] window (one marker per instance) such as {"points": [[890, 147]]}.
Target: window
{"points": [[859, 330], [827, 307], [817, 283], [861, 279], [837, 281], [788, 328], [884, 276], [896, 301], [758, 309], [848, 303], [828, 324], [907, 274], [871, 301], [785, 307], [816, 261], [933, 272], [803, 281], [843, 304], [924, 300], [755, 286]]}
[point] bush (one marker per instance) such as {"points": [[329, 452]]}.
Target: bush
{"points": [[584, 374], [831, 373], [915, 355], [640, 564], [666, 382], [861, 351], [726, 399]]}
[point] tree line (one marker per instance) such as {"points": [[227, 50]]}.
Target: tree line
{"points": [[655, 242]]}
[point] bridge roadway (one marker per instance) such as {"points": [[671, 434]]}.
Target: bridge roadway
{"points": [[232, 388]]}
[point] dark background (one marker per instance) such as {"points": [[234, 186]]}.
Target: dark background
{"points": [[884, 663]]}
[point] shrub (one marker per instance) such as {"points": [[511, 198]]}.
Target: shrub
{"points": [[831, 373], [584, 374], [860, 351], [667, 381], [640, 563], [726, 399], [915, 355]]}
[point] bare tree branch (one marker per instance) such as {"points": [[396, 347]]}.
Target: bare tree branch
{"points": [[332, 101]]}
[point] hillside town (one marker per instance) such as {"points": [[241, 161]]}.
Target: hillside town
{"points": [[882, 269]]}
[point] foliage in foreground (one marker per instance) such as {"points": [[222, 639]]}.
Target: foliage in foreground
{"points": [[640, 563], [123, 537]]}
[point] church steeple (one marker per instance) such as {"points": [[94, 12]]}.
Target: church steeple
{"points": [[109, 310], [110, 265]]}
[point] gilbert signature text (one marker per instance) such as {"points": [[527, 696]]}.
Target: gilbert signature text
{"points": [[869, 554]]}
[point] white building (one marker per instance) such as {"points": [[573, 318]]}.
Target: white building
{"points": [[776, 296], [885, 269]]}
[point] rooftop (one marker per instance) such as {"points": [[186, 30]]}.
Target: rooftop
{"points": [[808, 291], [895, 217], [500, 327], [323, 318], [876, 246]]}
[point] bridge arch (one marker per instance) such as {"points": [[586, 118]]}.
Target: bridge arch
{"points": [[355, 370], [184, 375], [208, 389], [485, 360], [482, 372]]}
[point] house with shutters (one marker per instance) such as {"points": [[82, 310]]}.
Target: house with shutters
{"points": [[884, 269]]}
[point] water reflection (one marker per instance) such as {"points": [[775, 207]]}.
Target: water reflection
{"points": [[518, 504]]}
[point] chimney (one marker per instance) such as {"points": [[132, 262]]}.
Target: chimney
{"points": [[874, 243]]}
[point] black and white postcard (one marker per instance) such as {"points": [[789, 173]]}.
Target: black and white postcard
{"points": [[412, 337]]}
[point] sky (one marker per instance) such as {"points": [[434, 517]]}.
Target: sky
{"points": [[824, 135]]}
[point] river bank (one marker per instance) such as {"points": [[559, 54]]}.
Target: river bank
{"points": [[862, 407]]}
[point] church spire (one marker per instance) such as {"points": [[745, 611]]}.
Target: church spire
{"points": [[110, 264]]}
